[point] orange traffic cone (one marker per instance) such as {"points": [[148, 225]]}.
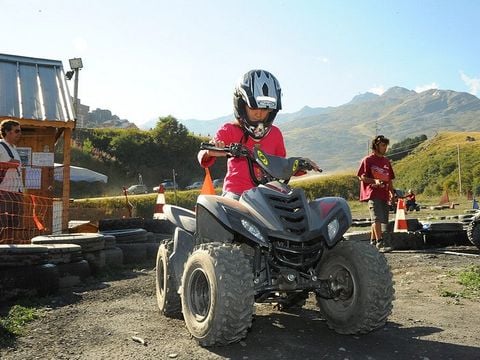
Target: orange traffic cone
{"points": [[158, 211], [400, 219], [444, 199], [207, 187]]}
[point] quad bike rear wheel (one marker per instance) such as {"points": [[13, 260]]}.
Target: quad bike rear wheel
{"points": [[168, 298], [217, 294], [364, 279]]}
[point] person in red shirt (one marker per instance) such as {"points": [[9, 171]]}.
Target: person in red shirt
{"points": [[376, 187], [411, 202], [257, 100]]}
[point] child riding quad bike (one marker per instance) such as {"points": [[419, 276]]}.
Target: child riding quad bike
{"points": [[271, 246]]}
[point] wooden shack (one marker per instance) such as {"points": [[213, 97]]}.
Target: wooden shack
{"points": [[34, 92]]}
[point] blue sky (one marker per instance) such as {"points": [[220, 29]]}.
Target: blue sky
{"points": [[149, 58]]}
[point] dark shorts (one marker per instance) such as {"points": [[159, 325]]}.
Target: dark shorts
{"points": [[378, 210]]}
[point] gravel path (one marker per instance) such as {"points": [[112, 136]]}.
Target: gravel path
{"points": [[111, 319]]}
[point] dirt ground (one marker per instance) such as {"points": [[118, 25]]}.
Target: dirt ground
{"points": [[99, 321]]}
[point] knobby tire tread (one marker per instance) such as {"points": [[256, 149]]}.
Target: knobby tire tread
{"points": [[371, 310]]}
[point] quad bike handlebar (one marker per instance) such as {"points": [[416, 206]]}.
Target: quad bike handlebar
{"points": [[234, 150], [275, 168]]}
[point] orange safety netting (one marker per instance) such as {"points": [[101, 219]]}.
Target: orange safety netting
{"points": [[22, 215]]}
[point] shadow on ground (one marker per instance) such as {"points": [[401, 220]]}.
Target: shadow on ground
{"points": [[304, 335]]}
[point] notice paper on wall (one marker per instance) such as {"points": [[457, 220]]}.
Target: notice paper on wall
{"points": [[42, 159], [33, 178]]}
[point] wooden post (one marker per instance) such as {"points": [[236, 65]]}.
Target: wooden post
{"points": [[459, 172], [67, 138]]}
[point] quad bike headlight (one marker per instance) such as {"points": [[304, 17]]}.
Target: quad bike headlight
{"points": [[252, 229], [333, 227]]}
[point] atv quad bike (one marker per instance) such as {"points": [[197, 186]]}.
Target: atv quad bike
{"points": [[272, 246]]}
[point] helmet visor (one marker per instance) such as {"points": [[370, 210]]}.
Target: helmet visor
{"points": [[266, 102]]}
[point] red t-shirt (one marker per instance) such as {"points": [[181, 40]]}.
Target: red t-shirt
{"points": [[410, 197], [375, 167], [237, 179]]}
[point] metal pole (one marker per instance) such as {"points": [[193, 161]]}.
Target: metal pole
{"points": [[174, 186], [459, 171], [75, 95]]}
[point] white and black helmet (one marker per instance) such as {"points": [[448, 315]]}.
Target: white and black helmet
{"points": [[257, 89]]}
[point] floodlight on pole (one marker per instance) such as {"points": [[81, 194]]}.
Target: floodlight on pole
{"points": [[75, 64]]}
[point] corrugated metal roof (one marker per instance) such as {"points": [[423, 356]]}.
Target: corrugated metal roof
{"points": [[32, 88]]}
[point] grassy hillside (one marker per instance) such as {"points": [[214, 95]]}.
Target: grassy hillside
{"points": [[339, 138], [434, 166], [430, 170]]}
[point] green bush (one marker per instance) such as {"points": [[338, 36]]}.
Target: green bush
{"points": [[345, 186], [143, 205]]}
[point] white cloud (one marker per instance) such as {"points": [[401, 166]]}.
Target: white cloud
{"points": [[472, 83], [323, 59], [379, 90], [422, 88]]}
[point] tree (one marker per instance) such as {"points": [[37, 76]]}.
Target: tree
{"points": [[132, 149], [170, 133], [153, 153], [401, 149]]}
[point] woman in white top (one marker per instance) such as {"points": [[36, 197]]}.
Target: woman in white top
{"points": [[11, 184]]}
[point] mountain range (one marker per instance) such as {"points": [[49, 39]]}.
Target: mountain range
{"points": [[338, 137]]}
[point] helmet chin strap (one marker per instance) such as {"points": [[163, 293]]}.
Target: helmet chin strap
{"points": [[259, 130], [256, 130]]}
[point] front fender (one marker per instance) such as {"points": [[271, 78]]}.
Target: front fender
{"points": [[183, 245], [219, 219], [180, 217], [325, 211]]}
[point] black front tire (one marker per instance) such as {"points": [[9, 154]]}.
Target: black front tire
{"points": [[366, 299], [217, 294], [168, 299]]}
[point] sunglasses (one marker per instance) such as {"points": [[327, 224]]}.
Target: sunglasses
{"points": [[379, 139]]}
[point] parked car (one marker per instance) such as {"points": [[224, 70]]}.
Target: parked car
{"points": [[137, 189], [195, 185], [167, 185], [218, 183]]}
